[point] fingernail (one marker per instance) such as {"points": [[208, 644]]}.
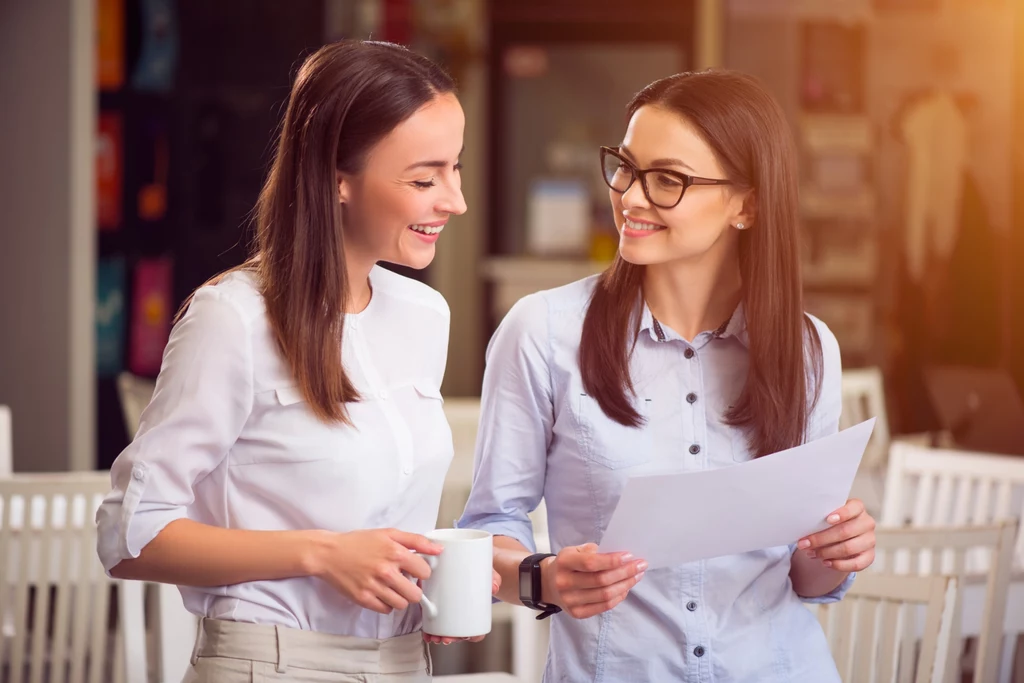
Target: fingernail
{"points": [[811, 554], [627, 557], [827, 563], [832, 519], [640, 576], [804, 544], [642, 566]]}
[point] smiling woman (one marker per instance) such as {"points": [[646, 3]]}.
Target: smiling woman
{"points": [[396, 206], [295, 448], [691, 352]]}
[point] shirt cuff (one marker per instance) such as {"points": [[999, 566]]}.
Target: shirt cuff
{"points": [[519, 530], [126, 526], [835, 595]]}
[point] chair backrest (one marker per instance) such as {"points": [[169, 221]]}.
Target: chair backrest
{"points": [[864, 397], [6, 442], [135, 393], [48, 552], [873, 631], [963, 553], [932, 487]]}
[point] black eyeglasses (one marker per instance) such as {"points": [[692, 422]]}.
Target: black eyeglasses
{"points": [[663, 188]]}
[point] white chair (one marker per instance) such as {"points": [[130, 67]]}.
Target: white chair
{"points": [[873, 631], [135, 393], [48, 549], [6, 443], [972, 555], [927, 487], [864, 397], [863, 392]]}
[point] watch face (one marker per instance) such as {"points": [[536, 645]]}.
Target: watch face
{"points": [[525, 585]]}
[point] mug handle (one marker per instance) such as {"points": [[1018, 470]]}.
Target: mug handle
{"points": [[429, 608]]}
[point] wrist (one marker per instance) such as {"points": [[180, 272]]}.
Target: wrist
{"points": [[548, 590], [313, 549]]}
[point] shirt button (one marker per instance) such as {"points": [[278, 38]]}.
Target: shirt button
{"points": [[694, 449], [691, 397], [688, 353], [699, 651], [137, 475], [383, 394], [692, 606], [406, 470]]}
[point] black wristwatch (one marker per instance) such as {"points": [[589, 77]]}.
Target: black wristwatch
{"points": [[530, 585]]}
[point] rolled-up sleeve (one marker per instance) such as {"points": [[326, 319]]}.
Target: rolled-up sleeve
{"points": [[824, 420], [202, 399], [516, 417]]}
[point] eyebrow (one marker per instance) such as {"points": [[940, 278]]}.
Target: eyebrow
{"points": [[658, 163], [432, 164]]}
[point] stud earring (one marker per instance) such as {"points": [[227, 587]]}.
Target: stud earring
{"points": [[740, 226]]}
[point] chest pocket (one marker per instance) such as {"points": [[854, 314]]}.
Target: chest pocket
{"points": [[605, 442], [427, 421], [282, 429]]}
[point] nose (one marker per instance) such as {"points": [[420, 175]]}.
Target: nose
{"points": [[634, 196], [454, 203]]}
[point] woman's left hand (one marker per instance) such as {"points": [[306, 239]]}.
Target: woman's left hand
{"points": [[849, 546], [441, 640]]}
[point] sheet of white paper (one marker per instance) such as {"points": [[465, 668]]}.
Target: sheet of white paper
{"points": [[670, 519]]}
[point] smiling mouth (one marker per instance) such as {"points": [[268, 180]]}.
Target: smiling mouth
{"points": [[637, 225], [427, 229]]}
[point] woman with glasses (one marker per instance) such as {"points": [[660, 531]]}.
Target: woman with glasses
{"points": [[691, 352]]}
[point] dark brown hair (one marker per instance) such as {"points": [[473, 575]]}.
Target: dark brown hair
{"points": [[346, 98], [750, 137]]}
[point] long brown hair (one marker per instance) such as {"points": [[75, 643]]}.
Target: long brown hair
{"points": [[346, 98], [749, 135]]}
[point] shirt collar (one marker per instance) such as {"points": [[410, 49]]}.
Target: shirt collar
{"points": [[736, 327]]}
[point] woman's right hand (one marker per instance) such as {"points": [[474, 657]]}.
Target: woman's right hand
{"points": [[584, 582], [369, 566]]}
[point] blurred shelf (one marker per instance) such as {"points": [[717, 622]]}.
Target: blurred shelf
{"points": [[517, 276], [836, 133], [817, 204]]}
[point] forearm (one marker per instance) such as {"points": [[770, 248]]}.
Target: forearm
{"points": [[188, 553], [812, 579], [508, 554]]}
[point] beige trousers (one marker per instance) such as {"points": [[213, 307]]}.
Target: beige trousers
{"points": [[234, 652]]}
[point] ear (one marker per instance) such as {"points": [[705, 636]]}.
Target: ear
{"points": [[744, 210], [344, 187]]}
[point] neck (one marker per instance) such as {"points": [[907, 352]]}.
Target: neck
{"points": [[359, 293], [694, 297]]}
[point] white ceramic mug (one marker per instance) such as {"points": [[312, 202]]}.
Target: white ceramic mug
{"points": [[457, 597]]}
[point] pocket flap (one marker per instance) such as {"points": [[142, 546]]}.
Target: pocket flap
{"points": [[428, 390], [288, 395]]}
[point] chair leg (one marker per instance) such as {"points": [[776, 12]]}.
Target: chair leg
{"points": [[1006, 661], [133, 629], [177, 634]]}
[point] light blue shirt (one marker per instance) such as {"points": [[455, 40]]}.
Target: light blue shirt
{"points": [[732, 619]]}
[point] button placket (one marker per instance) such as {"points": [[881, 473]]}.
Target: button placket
{"points": [[399, 428]]}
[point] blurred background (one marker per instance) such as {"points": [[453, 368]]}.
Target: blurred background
{"points": [[135, 136]]}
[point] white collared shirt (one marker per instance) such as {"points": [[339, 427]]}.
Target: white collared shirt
{"points": [[229, 441]]}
